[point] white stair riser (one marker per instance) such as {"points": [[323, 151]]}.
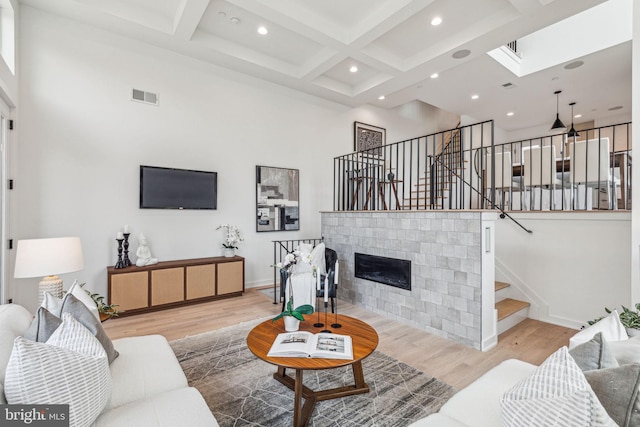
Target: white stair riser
{"points": [[511, 321]]}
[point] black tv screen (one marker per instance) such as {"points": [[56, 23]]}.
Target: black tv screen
{"points": [[168, 188]]}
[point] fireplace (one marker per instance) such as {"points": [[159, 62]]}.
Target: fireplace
{"points": [[389, 271]]}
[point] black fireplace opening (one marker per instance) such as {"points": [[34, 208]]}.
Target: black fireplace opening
{"points": [[389, 271]]}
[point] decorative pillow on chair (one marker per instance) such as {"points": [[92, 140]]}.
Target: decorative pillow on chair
{"points": [[594, 354], [611, 328], [317, 258], [70, 304], [43, 326], [71, 368], [556, 394], [617, 390]]}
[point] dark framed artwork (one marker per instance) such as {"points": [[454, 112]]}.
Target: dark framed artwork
{"points": [[277, 199], [368, 138]]}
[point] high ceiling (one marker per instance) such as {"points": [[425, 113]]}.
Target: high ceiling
{"points": [[311, 45]]}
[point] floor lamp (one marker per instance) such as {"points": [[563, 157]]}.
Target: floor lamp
{"points": [[48, 257]]}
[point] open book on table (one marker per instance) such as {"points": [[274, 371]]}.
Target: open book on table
{"points": [[306, 344]]}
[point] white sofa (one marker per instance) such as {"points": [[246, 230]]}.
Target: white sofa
{"points": [[148, 386], [478, 404]]}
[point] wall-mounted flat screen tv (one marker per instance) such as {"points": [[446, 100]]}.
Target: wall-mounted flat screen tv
{"points": [[169, 188]]}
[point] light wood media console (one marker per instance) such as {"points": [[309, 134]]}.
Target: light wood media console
{"points": [[172, 283]]}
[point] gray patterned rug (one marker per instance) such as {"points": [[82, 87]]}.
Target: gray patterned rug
{"points": [[240, 390]]}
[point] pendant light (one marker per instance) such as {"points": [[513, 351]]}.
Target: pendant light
{"points": [[572, 132], [558, 123]]}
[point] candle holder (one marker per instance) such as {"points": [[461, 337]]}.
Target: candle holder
{"points": [[328, 331], [334, 305], [126, 260], [120, 263], [318, 324]]}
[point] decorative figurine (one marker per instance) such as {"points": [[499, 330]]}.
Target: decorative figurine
{"points": [[144, 253]]}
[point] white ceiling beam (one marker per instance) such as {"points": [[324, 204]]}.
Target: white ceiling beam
{"points": [[188, 17]]}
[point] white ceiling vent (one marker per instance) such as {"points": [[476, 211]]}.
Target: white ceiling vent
{"points": [[146, 97]]}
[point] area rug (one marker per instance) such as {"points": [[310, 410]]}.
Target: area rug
{"points": [[241, 391]]}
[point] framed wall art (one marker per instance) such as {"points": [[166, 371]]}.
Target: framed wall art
{"points": [[277, 199], [368, 138]]}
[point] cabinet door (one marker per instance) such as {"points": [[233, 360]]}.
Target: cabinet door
{"points": [[230, 277], [167, 286], [130, 290], [201, 281]]}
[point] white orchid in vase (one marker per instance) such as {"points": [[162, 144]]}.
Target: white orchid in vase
{"points": [[232, 236]]}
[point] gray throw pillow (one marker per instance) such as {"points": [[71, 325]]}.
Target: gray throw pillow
{"points": [[594, 354], [43, 325], [617, 390], [72, 305]]}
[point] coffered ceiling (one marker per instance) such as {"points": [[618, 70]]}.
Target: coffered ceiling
{"points": [[312, 44]]}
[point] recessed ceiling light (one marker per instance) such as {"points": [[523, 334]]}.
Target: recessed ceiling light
{"points": [[353, 69], [222, 14], [234, 20], [510, 113], [434, 76], [475, 96], [577, 116], [381, 97], [573, 65], [436, 21], [461, 54], [262, 30]]}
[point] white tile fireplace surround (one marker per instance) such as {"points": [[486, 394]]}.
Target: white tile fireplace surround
{"points": [[452, 268]]}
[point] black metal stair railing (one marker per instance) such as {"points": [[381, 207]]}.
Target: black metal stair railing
{"points": [[463, 168]]}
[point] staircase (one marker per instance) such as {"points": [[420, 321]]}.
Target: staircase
{"points": [[510, 311]]}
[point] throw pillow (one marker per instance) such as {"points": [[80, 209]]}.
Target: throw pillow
{"points": [[70, 304], [611, 328], [626, 351], [77, 291], [556, 394], [317, 258], [43, 326], [594, 354], [74, 371], [617, 390]]}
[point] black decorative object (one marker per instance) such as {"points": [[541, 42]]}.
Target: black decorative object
{"points": [[318, 324], [120, 263], [126, 261], [391, 176], [326, 304]]}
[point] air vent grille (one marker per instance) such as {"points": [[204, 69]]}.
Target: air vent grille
{"points": [[146, 97], [508, 85]]}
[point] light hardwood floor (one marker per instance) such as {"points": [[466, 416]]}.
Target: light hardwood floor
{"points": [[453, 363]]}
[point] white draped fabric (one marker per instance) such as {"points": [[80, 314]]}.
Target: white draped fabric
{"points": [[303, 287]]}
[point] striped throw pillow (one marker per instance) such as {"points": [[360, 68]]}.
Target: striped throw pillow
{"points": [[556, 394], [70, 368]]}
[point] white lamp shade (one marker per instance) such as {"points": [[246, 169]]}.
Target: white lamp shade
{"points": [[47, 257]]}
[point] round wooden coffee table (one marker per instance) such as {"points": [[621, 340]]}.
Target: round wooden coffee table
{"points": [[363, 336]]}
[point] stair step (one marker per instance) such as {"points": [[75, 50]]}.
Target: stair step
{"points": [[509, 306], [501, 285]]}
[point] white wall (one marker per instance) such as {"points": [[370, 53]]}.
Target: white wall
{"points": [[82, 141], [635, 179], [571, 266]]}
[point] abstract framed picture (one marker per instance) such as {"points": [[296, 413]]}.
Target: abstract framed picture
{"points": [[277, 199], [368, 138]]}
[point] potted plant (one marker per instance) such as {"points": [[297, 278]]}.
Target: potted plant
{"points": [[292, 317], [630, 319], [231, 239]]}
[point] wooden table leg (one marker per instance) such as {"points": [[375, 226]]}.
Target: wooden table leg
{"points": [[358, 376], [381, 191], [297, 400], [395, 192]]}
